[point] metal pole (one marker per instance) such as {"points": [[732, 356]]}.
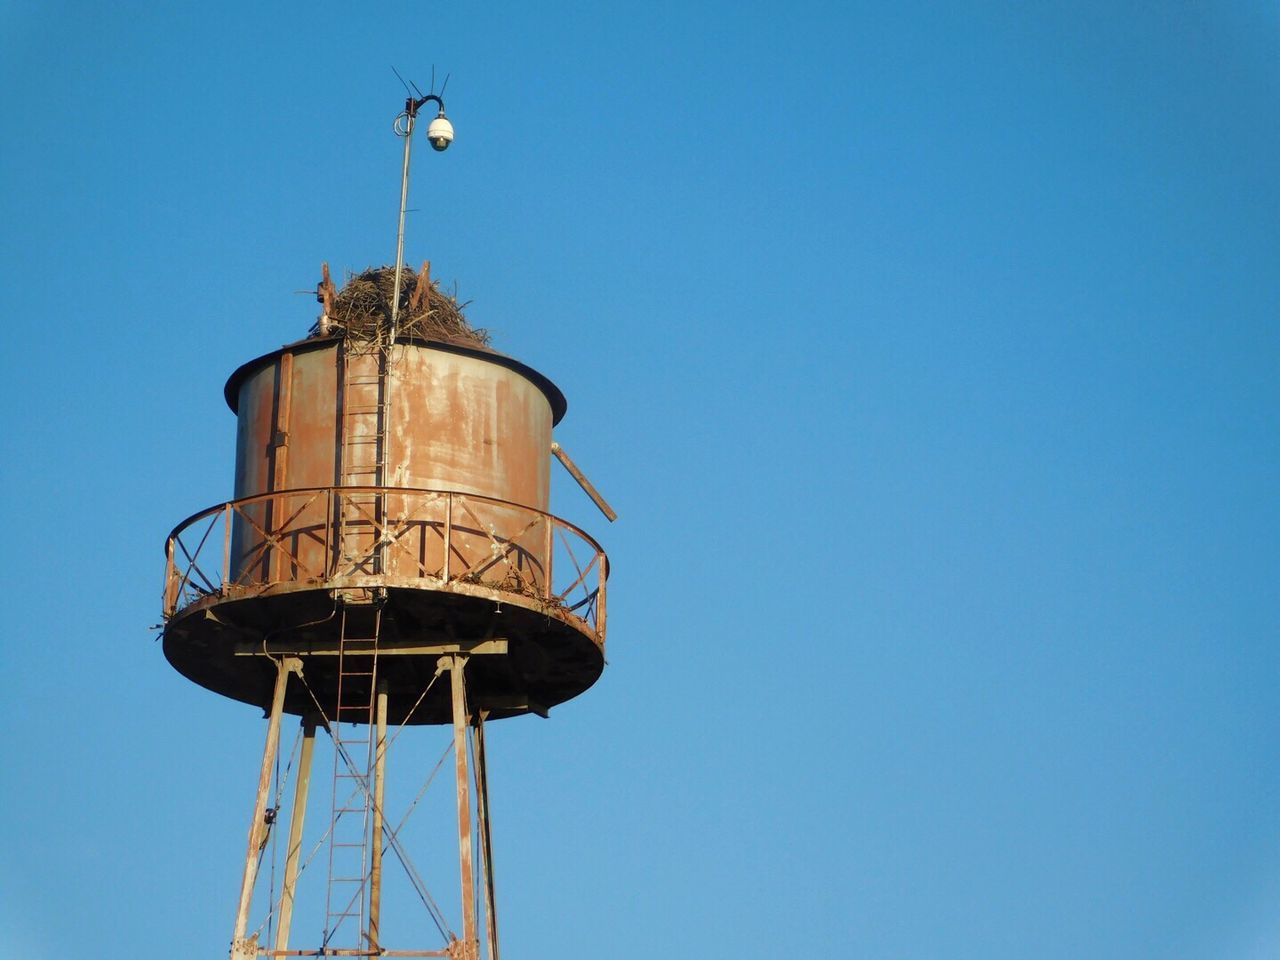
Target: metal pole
{"points": [[379, 782], [486, 846], [456, 666], [412, 113], [294, 854], [258, 827]]}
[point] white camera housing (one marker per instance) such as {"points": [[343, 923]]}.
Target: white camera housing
{"points": [[440, 133]]}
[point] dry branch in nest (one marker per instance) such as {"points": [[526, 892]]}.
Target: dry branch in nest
{"points": [[362, 309]]}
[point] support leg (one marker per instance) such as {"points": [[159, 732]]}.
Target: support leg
{"points": [[295, 834], [375, 853], [240, 947], [486, 845], [460, 723]]}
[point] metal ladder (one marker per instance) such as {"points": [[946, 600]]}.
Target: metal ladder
{"points": [[366, 401], [349, 823], [366, 397]]}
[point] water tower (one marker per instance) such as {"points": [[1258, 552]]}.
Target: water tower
{"points": [[388, 560]]}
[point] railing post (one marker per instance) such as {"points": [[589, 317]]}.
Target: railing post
{"points": [[278, 511], [603, 562], [226, 545], [170, 581], [448, 533], [330, 535], [548, 550]]}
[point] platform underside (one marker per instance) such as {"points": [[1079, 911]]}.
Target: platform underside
{"points": [[222, 644]]}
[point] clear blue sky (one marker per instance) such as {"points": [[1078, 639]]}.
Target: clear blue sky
{"points": [[929, 352]]}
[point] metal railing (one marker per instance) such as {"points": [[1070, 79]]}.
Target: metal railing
{"points": [[329, 537]]}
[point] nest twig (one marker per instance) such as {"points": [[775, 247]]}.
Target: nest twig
{"points": [[362, 309]]}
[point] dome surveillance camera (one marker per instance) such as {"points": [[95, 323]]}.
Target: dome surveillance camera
{"points": [[440, 133]]}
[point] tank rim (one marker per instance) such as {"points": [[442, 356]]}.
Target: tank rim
{"points": [[559, 405]]}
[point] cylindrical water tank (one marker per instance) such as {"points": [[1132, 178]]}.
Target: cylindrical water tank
{"points": [[457, 419]]}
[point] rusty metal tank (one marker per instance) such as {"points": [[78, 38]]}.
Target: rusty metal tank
{"points": [[459, 418], [400, 490]]}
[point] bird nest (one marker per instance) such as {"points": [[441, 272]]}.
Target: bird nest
{"points": [[362, 309]]}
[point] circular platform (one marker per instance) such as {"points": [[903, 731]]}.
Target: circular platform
{"points": [[521, 660], [319, 573]]}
